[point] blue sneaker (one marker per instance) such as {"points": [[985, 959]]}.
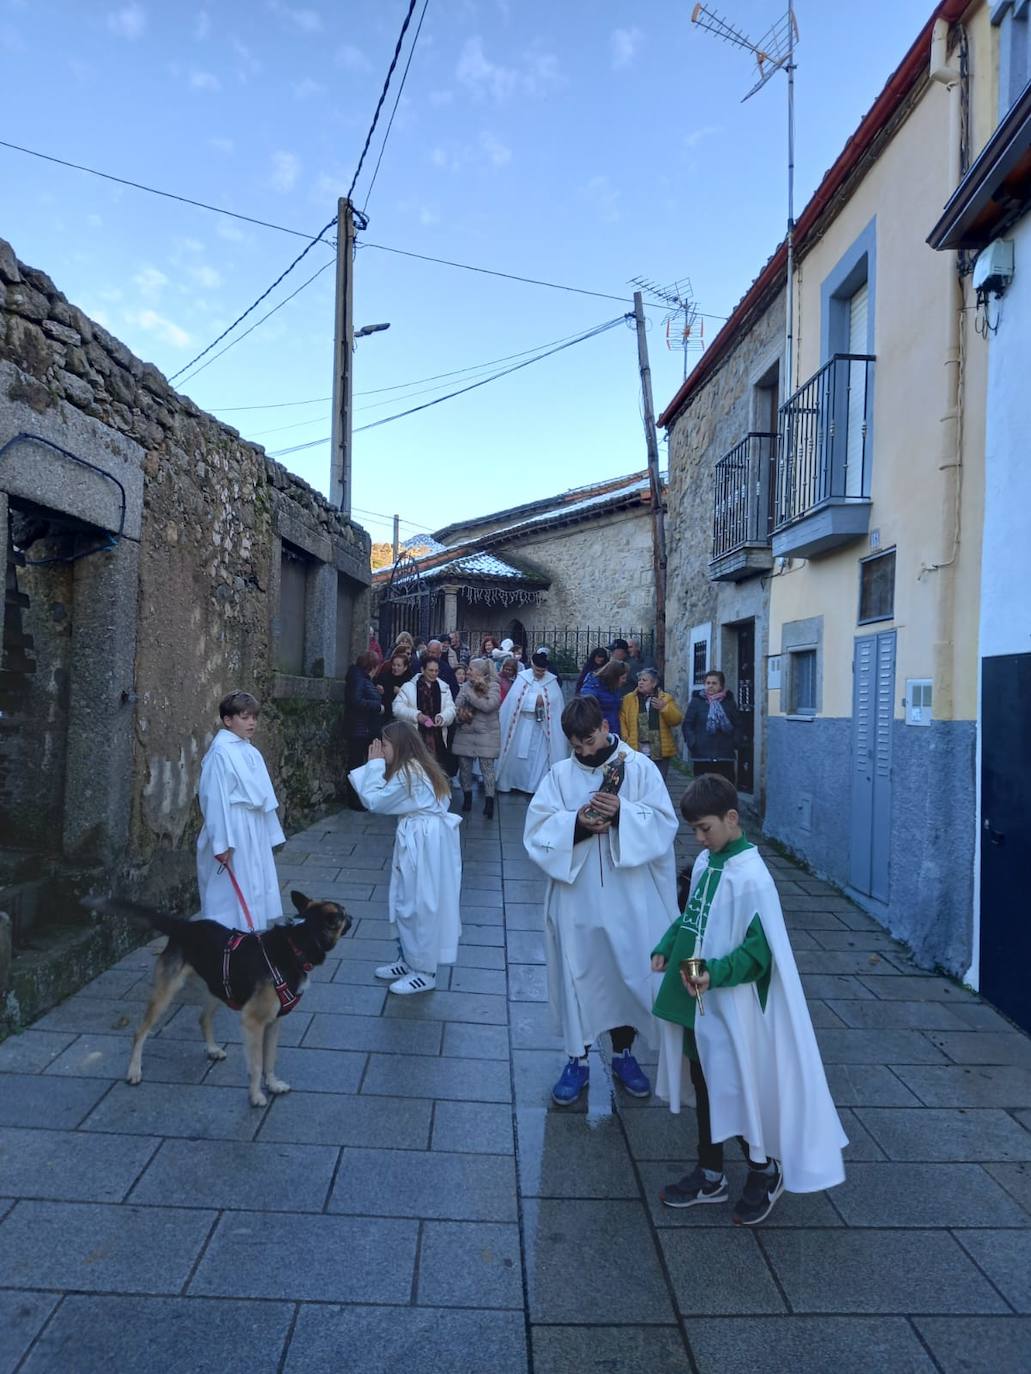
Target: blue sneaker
{"points": [[572, 1083], [627, 1071]]}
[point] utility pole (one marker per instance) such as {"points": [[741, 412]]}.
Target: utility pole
{"points": [[343, 353], [397, 537], [655, 486]]}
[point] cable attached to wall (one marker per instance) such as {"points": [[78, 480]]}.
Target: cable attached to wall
{"points": [[111, 538]]}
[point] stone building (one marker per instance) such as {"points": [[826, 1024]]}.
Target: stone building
{"points": [[579, 563], [154, 560], [722, 427]]}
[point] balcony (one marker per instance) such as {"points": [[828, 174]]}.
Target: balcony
{"points": [[742, 517], [822, 497]]}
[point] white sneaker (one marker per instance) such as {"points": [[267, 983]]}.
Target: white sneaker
{"points": [[393, 971], [414, 982]]}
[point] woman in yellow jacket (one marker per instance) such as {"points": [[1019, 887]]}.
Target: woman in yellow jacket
{"points": [[647, 719]]}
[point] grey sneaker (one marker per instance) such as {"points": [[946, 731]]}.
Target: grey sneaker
{"points": [[693, 1189], [759, 1196]]}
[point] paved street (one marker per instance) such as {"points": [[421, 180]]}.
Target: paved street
{"points": [[413, 1204]]}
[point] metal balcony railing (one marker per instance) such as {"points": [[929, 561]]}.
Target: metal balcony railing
{"points": [[825, 430], [742, 512]]}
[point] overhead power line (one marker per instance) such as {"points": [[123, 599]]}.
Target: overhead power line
{"points": [[382, 95], [388, 419], [397, 99]]}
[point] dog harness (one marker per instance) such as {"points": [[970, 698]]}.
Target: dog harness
{"points": [[288, 999]]}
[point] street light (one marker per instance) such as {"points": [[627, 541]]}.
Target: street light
{"points": [[370, 329]]}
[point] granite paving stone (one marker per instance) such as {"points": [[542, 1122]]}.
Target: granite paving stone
{"points": [[470, 1080], [470, 1264], [473, 1127], [846, 963], [107, 1056], [21, 1317], [526, 947], [614, 1240], [913, 988], [82, 1014], [804, 1210], [185, 1025], [39, 1100], [859, 1271], [831, 987], [1016, 1179], [492, 935], [450, 1006], [1005, 1256], [345, 999], [99, 1247], [984, 1047], [418, 1340], [95, 1335], [808, 1345], [532, 1026], [959, 1343], [573, 1156], [364, 1033], [341, 1119], [877, 1047], [719, 1272], [463, 1041], [947, 1134], [527, 983], [1001, 1085], [480, 956], [437, 1184], [71, 1166], [868, 1085], [479, 980], [861, 1147], [174, 1109], [305, 1069], [112, 983], [980, 1016], [366, 1259], [609, 1350], [941, 1194], [32, 1050], [237, 1175], [880, 1015], [368, 951], [476, 914], [524, 916]]}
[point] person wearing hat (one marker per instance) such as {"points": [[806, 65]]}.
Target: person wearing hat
{"points": [[531, 727], [619, 650]]}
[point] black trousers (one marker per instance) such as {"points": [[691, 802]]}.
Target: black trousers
{"points": [[622, 1037], [710, 1156], [726, 768]]}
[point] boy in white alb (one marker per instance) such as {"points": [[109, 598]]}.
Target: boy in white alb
{"points": [[741, 1026], [236, 871]]}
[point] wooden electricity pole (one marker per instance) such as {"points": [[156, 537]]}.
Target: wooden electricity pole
{"points": [[655, 486], [343, 352]]}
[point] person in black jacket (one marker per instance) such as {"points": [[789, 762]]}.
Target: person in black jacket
{"points": [[364, 716], [711, 728]]}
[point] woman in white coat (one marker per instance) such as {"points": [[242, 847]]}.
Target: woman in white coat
{"points": [[403, 779], [426, 702]]}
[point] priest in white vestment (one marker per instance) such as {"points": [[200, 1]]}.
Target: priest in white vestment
{"points": [[236, 870], [531, 728], [602, 826]]}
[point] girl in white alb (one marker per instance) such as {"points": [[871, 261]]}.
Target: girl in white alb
{"points": [[402, 779], [236, 870]]}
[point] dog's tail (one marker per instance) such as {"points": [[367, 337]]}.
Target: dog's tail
{"points": [[137, 913]]}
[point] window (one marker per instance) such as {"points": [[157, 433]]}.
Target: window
{"points": [[293, 594], [699, 664], [701, 653], [877, 588], [803, 682], [1011, 19]]}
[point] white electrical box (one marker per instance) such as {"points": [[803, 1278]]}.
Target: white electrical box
{"points": [[773, 673], [919, 700], [993, 270]]}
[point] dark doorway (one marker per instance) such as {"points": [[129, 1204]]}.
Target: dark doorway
{"points": [[517, 635], [745, 633], [1005, 834]]}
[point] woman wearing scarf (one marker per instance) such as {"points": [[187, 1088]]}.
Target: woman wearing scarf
{"points": [[711, 727], [427, 703]]}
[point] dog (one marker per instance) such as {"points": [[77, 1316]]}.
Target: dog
{"points": [[263, 976]]}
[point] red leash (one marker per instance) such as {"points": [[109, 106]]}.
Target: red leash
{"points": [[239, 894]]}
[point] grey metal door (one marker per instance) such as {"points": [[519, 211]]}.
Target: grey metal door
{"points": [[873, 709]]}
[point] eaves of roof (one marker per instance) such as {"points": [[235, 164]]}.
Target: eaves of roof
{"points": [[519, 513], [874, 122]]}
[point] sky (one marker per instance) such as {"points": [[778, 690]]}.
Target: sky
{"points": [[585, 142]]}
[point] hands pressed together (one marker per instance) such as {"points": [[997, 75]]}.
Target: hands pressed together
{"points": [[605, 802], [376, 750]]}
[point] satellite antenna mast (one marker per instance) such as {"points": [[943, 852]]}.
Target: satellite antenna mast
{"points": [[681, 302], [774, 52]]}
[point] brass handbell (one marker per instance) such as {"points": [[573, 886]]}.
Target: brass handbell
{"points": [[693, 969]]}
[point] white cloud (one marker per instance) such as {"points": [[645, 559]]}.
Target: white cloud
{"points": [[498, 154], [150, 281], [603, 197], [307, 88], [695, 136], [624, 44], [222, 145], [205, 81], [439, 158], [165, 330], [206, 276], [439, 98], [94, 221], [487, 80], [128, 22], [227, 230], [202, 26], [286, 168], [307, 20], [247, 65], [352, 59]]}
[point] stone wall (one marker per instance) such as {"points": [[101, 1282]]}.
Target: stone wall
{"points": [[717, 417], [180, 609]]}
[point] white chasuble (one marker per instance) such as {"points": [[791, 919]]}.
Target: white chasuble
{"points": [[240, 813], [426, 869], [609, 899], [530, 746]]}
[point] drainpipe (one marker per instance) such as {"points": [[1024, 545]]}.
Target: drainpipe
{"points": [[950, 434]]}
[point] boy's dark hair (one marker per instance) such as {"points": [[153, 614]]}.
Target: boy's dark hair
{"points": [[709, 795], [238, 704], [582, 717]]}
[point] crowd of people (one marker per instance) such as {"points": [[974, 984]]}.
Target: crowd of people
{"points": [[698, 965]]}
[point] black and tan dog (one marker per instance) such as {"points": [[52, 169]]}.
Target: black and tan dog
{"points": [[261, 976]]}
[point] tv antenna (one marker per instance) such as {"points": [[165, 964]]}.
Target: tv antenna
{"points": [[684, 328], [774, 52]]}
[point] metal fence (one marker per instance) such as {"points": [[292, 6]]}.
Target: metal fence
{"points": [[569, 645], [825, 437], [743, 494]]}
